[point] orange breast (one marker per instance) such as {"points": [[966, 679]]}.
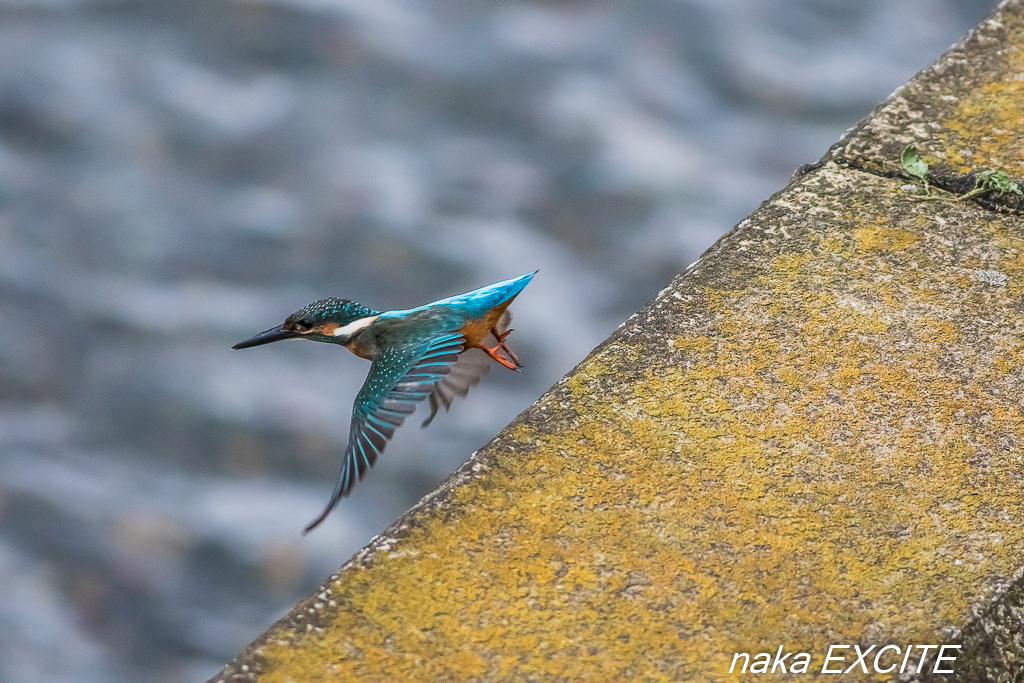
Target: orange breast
{"points": [[476, 330]]}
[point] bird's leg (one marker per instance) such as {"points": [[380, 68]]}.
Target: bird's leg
{"points": [[512, 362], [493, 353], [508, 352]]}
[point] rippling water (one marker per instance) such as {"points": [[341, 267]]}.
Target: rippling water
{"points": [[175, 176]]}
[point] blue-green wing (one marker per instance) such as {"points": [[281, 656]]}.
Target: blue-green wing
{"points": [[399, 378]]}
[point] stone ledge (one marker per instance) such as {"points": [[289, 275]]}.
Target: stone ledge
{"points": [[963, 112]]}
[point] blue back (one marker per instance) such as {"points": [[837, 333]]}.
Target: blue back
{"points": [[476, 303]]}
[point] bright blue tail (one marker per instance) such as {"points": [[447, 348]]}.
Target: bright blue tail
{"points": [[500, 291], [477, 302]]}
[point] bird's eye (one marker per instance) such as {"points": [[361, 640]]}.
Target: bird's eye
{"points": [[304, 325]]}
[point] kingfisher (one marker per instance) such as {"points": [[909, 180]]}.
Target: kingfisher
{"points": [[437, 351]]}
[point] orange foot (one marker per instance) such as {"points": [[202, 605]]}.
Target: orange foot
{"points": [[512, 362]]}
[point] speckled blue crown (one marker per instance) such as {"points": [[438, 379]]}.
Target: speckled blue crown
{"points": [[341, 311]]}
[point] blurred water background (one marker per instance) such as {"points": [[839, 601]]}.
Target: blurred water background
{"points": [[177, 175]]}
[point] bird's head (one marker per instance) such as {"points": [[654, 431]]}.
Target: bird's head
{"points": [[328, 320]]}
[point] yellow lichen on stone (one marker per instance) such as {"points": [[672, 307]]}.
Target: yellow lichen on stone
{"points": [[880, 236], [983, 131]]}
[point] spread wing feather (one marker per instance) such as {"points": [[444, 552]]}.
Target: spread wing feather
{"points": [[399, 378]]}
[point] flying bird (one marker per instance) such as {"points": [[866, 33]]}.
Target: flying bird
{"points": [[437, 351]]}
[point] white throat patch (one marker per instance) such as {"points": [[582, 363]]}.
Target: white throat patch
{"points": [[354, 326]]}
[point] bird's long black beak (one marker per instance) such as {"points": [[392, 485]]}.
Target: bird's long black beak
{"points": [[272, 335]]}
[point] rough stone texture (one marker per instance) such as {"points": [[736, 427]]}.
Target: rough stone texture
{"points": [[814, 436], [963, 112]]}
